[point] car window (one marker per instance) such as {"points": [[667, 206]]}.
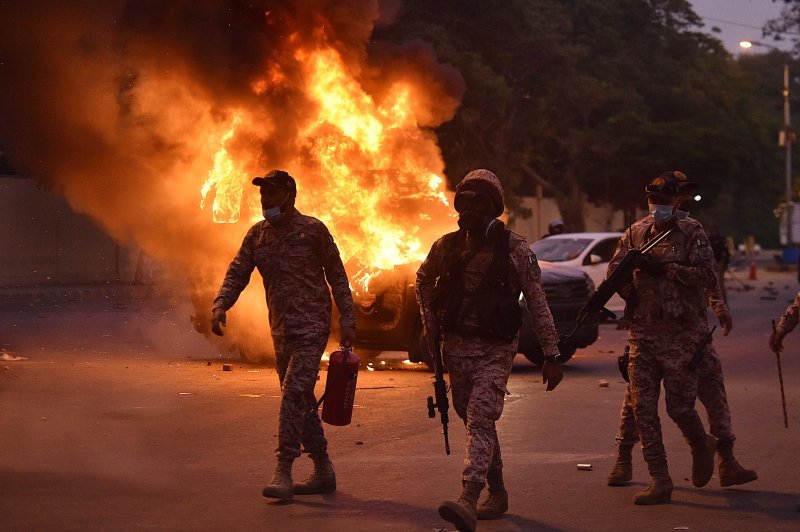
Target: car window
{"points": [[559, 249], [604, 248]]}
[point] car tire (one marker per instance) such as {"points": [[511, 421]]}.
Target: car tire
{"points": [[418, 345]]}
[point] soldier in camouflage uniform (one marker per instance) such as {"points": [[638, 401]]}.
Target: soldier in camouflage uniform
{"points": [[468, 290], [786, 325], [665, 301], [710, 387], [294, 254]]}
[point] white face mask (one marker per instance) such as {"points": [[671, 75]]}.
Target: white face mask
{"points": [[681, 215], [661, 213]]}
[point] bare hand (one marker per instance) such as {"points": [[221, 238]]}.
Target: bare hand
{"points": [[725, 321], [348, 335], [552, 373], [218, 318]]}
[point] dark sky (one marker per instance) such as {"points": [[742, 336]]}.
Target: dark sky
{"points": [[739, 20]]}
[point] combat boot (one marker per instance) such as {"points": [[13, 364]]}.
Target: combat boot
{"points": [[321, 480], [281, 485], [660, 489], [731, 473], [623, 469], [703, 461], [496, 504], [463, 512]]}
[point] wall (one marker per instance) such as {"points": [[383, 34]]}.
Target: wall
{"points": [[44, 242]]}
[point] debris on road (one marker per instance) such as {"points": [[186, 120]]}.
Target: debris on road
{"points": [[584, 467], [227, 367], [5, 357], [602, 383]]}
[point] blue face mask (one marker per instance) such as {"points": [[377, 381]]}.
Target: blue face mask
{"points": [[681, 215], [661, 213], [272, 215], [275, 214]]}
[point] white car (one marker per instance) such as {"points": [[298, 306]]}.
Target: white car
{"points": [[590, 252]]}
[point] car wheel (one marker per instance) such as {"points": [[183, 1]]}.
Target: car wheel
{"points": [[418, 345]]}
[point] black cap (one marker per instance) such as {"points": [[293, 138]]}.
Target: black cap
{"points": [[276, 178]]}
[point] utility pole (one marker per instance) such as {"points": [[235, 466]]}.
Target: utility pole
{"points": [[787, 141]]}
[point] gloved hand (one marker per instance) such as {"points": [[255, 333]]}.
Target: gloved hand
{"points": [[552, 373], [218, 318], [347, 334], [651, 265], [725, 321], [776, 340]]}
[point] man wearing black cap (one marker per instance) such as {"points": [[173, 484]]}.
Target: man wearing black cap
{"points": [[294, 254], [468, 289], [664, 303]]}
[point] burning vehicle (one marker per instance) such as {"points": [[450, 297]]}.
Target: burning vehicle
{"points": [[162, 124]]}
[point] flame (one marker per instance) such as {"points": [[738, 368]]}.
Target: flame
{"points": [[379, 187]]}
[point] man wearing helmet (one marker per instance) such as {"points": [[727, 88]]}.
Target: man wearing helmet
{"points": [[468, 289], [664, 302]]}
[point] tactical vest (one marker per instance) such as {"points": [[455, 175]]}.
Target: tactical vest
{"points": [[495, 301], [660, 300]]}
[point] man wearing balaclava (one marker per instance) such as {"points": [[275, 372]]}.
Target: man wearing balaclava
{"points": [[295, 255], [710, 382], [468, 290], [665, 299]]}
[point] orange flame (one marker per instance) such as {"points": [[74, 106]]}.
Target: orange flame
{"points": [[376, 174]]}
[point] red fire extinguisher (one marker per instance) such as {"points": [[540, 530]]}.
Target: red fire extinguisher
{"points": [[340, 387]]}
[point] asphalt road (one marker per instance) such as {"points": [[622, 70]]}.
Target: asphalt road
{"points": [[121, 418]]}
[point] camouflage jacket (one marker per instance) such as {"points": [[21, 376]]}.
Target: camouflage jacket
{"points": [[525, 276], [672, 304], [789, 320], [294, 259]]}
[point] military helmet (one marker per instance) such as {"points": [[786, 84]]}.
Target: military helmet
{"points": [[666, 184]]}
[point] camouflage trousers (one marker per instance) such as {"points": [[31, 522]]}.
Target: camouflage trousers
{"points": [[478, 372], [710, 392], [297, 359], [651, 362]]}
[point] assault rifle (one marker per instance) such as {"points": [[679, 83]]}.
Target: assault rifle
{"points": [[442, 404], [612, 283], [701, 349]]}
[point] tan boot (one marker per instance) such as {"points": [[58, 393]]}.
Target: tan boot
{"points": [[281, 485], [463, 513], [321, 480], [703, 461], [623, 469], [660, 489], [731, 473], [496, 504]]}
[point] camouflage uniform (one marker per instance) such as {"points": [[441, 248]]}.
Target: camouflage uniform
{"points": [[710, 387], [294, 259], [479, 368], [665, 316], [791, 317]]}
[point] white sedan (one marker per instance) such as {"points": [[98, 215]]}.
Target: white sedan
{"points": [[589, 252]]}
